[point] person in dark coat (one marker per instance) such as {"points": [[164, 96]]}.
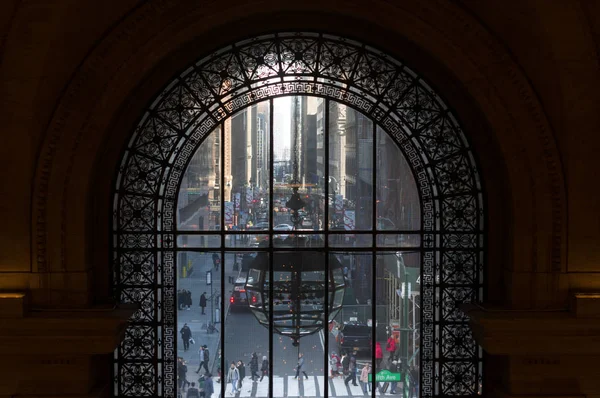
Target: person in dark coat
{"points": [[352, 369], [209, 388], [206, 359], [203, 302], [264, 368], [254, 366], [186, 335]]}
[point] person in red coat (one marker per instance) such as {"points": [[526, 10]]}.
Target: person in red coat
{"points": [[378, 354], [390, 347]]}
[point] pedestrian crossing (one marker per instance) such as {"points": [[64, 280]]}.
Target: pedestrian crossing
{"points": [[287, 386]]}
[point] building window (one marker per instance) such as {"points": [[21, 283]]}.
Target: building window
{"points": [[390, 196]]}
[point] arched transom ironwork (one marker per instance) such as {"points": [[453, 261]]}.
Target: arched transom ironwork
{"points": [[338, 69]]}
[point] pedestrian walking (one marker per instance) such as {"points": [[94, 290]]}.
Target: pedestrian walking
{"points": [[378, 355], [203, 302], [414, 379], [345, 364], [201, 357], [216, 260], [186, 335], [264, 368], [336, 364], [364, 378], [393, 368], [193, 392], [182, 374], [233, 377], [299, 367], [254, 366], [390, 347], [209, 388], [241, 367], [206, 359], [352, 370]]}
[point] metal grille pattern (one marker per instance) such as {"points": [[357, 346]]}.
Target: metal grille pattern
{"points": [[384, 89]]}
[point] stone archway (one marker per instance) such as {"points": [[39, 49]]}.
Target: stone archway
{"points": [[70, 234]]}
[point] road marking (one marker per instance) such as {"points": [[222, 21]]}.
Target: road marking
{"points": [[340, 387], [319, 386], [278, 387], [293, 386], [262, 388]]}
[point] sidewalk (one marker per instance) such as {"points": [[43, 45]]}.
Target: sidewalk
{"points": [[198, 323]]}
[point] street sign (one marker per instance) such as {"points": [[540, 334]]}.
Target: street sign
{"points": [[386, 375], [208, 278]]}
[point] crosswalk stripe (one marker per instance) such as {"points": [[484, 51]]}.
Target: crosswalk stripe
{"points": [[278, 386], [315, 388], [293, 386], [246, 389], [340, 387], [262, 388], [355, 390]]}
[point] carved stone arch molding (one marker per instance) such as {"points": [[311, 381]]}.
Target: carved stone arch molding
{"points": [[70, 194]]}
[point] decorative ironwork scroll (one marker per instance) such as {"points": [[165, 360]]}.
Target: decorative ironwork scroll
{"points": [[383, 88]]}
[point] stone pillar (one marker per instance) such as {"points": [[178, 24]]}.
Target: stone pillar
{"points": [[57, 353], [542, 353]]}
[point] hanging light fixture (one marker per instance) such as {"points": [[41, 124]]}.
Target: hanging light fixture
{"points": [[300, 279], [299, 306]]}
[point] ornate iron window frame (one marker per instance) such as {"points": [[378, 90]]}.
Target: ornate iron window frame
{"points": [[394, 97]]}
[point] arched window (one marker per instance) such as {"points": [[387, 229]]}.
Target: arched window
{"points": [[325, 167]]}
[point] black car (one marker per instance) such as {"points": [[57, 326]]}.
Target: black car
{"points": [[354, 337]]}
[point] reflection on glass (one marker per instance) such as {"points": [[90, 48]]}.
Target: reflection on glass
{"points": [[299, 280], [398, 205], [198, 312], [298, 152], [350, 169], [198, 203]]}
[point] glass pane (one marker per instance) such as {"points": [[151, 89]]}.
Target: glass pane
{"points": [[247, 168], [210, 241], [246, 334], [358, 240], [298, 240], [350, 169], [398, 240], [350, 339], [198, 203], [198, 313], [298, 305], [298, 161], [398, 289], [398, 206], [246, 240]]}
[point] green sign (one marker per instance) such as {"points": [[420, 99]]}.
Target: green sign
{"points": [[386, 375]]}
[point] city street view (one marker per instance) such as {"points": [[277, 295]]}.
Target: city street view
{"points": [[298, 262]]}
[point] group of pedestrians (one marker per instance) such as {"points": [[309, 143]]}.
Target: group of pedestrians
{"points": [[237, 372], [184, 299], [205, 386]]}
